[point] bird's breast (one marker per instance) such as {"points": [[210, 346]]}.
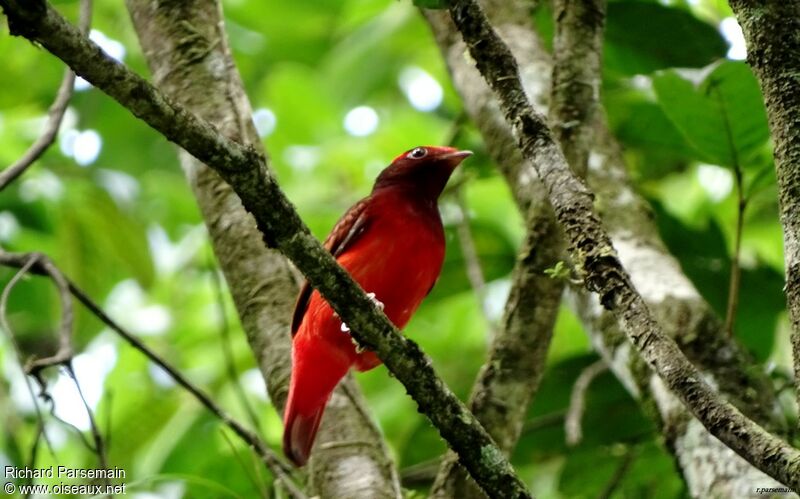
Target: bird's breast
{"points": [[399, 259]]}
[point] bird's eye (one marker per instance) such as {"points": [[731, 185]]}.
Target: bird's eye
{"points": [[419, 152]]}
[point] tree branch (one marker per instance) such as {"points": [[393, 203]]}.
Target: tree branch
{"points": [[63, 356], [575, 93], [577, 402], [603, 274], [472, 262], [516, 361], [245, 170], [772, 33], [41, 433]]}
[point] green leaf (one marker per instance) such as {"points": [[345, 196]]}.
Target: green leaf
{"points": [[654, 146], [648, 472], [723, 117], [644, 37], [738, 96], [704, 258], [90, 215]]}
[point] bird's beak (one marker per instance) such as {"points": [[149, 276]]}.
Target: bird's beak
{"points": [[453, 159]]}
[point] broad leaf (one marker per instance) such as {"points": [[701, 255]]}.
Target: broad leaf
{"points": [[644, 37], [723, 117]]}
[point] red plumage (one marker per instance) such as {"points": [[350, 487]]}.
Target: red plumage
{"points": [[392, 244]]}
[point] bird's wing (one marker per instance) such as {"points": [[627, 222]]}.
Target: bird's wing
{"points": [[346, 231]]}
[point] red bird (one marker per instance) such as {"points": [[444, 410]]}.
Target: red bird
{"points": [[392, 244]]}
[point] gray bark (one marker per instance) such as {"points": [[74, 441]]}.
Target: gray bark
{"points": [[186, 49], [575, 93]]}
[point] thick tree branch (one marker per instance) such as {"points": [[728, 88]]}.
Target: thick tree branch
{"points": [[187, 51], [245, 170], [575, 94], [603, 274], [772, 33]]}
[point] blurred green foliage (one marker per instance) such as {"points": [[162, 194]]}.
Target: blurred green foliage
{"points": [[125, 227]]}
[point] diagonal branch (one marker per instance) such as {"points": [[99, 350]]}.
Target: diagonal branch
{"points": [[245, 170], [603, 274]]}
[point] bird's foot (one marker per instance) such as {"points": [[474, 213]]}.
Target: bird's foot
{"points": [[376, 301], [346, 329]]}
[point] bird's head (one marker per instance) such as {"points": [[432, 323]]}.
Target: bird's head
{"points": [[423, 170]]}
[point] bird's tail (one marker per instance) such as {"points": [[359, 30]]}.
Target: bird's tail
{"points": [[298, 434], [315, 374]]}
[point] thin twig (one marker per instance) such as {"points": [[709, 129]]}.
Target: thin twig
{"points": [[64, 354], [619, 473], [471, 259], [280, 469], [466, 241], [741, 205], [52, 409], [243, 465], [99, 444], [55, 115], [736, 269], [25, 265], [577, 401]]}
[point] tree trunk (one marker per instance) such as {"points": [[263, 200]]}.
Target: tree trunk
{"points": [[772, 32]]}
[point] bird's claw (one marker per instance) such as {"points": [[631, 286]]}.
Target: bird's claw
{"points": [[376, 301], [346, 329]]}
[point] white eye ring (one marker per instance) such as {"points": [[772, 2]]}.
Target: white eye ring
{"points": [[418, 153]]}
